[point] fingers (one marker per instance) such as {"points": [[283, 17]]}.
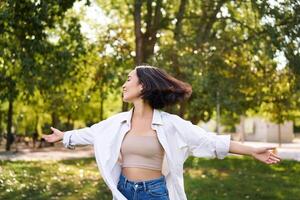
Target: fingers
{"points": [[53, 129], [271, 150], [271, 162], [273, 159], [275, 155]]}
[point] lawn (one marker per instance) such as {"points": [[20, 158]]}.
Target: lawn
{"points": [[233, 178]]}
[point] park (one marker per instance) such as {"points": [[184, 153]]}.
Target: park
{"points": [[63, 64]]}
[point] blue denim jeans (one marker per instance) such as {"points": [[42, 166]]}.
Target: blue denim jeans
{"points": [[155, 189]]}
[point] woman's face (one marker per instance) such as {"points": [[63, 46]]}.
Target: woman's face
{"points": [[132, 88]]}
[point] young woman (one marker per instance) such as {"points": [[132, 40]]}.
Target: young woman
{"points": [[140, 153]]}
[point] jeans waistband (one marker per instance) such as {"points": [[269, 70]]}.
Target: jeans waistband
{"points": [[144, 184]]}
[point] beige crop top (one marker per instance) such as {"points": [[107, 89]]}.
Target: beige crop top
{"points": [[142, 151]]}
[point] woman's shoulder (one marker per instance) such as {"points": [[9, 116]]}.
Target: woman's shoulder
{"points": [[170, 116], [118, 116], [172, 119]]}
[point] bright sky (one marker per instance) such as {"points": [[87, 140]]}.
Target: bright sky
{"points": [[93, 18]]}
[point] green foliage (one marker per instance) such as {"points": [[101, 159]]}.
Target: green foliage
{"points": [[24, 39], [216, 51], [225, 49], [279, 98]]}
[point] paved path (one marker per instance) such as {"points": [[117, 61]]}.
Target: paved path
{"points": [[48, 153], [286, 151]]}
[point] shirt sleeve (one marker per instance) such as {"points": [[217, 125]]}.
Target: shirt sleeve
{"points": [[200, 142], [84, 136]]}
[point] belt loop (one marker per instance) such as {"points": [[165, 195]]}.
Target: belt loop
{"points": [[125, 182], [145, 188]]}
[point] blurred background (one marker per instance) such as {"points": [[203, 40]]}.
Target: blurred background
{"points": [[62, 64]]}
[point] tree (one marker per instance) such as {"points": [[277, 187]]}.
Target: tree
{"points": [[280, 101], [221, 47], [23, 41]]}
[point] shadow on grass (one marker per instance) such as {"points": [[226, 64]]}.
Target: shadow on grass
{"points": [[79, 162]]}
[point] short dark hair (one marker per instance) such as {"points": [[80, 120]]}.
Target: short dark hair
{"points": [[161, 89]]}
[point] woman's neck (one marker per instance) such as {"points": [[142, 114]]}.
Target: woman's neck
{"points": [[142, 110]]}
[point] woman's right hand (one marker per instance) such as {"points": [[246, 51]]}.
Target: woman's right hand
{"points": [[56, 135]]}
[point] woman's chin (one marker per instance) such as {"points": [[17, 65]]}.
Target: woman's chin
{"points": [[126, 100], [129, 99]]}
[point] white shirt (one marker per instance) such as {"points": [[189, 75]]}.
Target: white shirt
{"points": [[178, 137]]}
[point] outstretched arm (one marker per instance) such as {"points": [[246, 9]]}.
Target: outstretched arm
{"points": [[82, 136], [206, 144], [263, 154]]}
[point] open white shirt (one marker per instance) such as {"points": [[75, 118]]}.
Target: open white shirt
{"points": [[178, 137]]}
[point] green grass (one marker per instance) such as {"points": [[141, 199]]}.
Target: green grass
{"points": [[232, 178], [241, 178]]}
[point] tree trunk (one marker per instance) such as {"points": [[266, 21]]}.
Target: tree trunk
{"points": [[242, 134], [218, 112], [55, 120], [279, 135], [210, 10], [9, 137], [0, 127], [182, 108], [55, 123], [138, 33], [175, 56], [179, 18], [35, 135], [101, 101], [69, 124], [145, 42]]}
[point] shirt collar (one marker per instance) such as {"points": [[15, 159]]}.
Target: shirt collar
{"points": [[156, 119]]}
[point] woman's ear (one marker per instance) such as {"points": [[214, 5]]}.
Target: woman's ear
{"points": [[141, 87]]}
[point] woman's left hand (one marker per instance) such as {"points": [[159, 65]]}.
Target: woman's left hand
{"points": [[265, 155]]}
